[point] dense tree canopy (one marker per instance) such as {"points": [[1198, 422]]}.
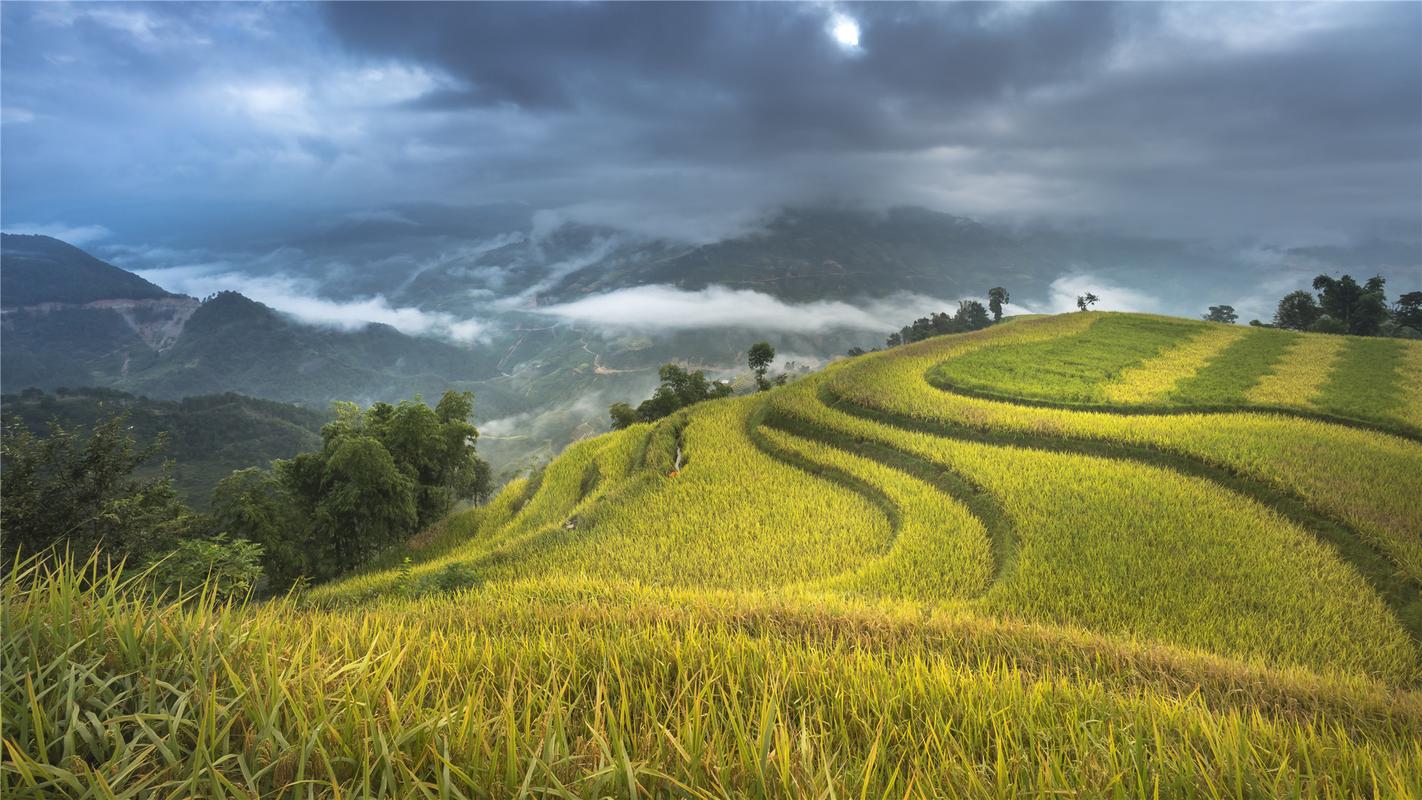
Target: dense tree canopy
{"points": [[1361, 309], [380, 475], [1225, 314], [74, 488], [1345, 306], [1297, 311], [971, 316], [997, 296], [679, 388], [1408, 310]]}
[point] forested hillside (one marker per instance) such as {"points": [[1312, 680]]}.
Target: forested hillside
{"points": [[207, 436]]}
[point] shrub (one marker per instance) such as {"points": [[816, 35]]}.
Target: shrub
{"points": [[230, 569]]}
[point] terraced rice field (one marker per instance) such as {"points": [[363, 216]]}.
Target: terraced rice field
{"points": [[1087, 555]]}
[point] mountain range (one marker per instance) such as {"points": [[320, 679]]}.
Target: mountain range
{"points": [[564, 318]]}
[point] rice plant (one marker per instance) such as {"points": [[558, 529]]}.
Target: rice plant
{"points": [[572, 689], [1155, 378], [873, 582]]}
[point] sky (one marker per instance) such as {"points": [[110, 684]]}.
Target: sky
{"points": [[260, 147], [1293, 122]]}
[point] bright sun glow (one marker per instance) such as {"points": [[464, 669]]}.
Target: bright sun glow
{"points": [[845, 31]]}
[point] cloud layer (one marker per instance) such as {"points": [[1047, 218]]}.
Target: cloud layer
{"points": [[300, 299], [1232, 119], [667, 308]]}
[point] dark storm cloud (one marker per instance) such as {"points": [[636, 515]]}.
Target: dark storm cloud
{"points": [[766, 74], [1297, 121]]}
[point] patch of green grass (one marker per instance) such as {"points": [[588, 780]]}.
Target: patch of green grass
{"points": [[1066, 369], [1366, 382], [1227, 377]]}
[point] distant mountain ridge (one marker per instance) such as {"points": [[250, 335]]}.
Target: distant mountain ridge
{"points": [[42, 269], [78, 321]]}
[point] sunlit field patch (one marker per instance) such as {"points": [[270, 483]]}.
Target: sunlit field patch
{"points": [[571, 688], [1118, 546], [1156, 377], [1300, 375], [1235, 370], [1068, 369]]}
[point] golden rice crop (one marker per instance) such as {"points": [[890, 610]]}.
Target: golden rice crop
{"points": [[1071, 368], [585, 472], [732, 517], [1134, 549], [941, 550], [1152, 380], [1225, 381], [813, 608], [1297, 378], [1372, 481], [708, 525], [576, 690]]}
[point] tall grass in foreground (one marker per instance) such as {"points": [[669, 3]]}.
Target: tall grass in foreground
{"points": [[576, 690]]}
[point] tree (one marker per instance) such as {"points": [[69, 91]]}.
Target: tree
{"points": [[759, 358], [433, 446], [1361, 309], [74, 489], [971, 316], [1223, 314], [623, 416], [380, 475], [894, 340], [256, 505], [678, 389], [1297, 311], [228, 569], [1327, 324], [1391, 329], [1408, 310], [996, 297], [1084, 300], [854, 351], [367, 502]]}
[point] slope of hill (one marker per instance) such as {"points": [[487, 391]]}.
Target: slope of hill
{"points": [[208, 436], [41, 269], [232, 341], [1170, 559]]}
